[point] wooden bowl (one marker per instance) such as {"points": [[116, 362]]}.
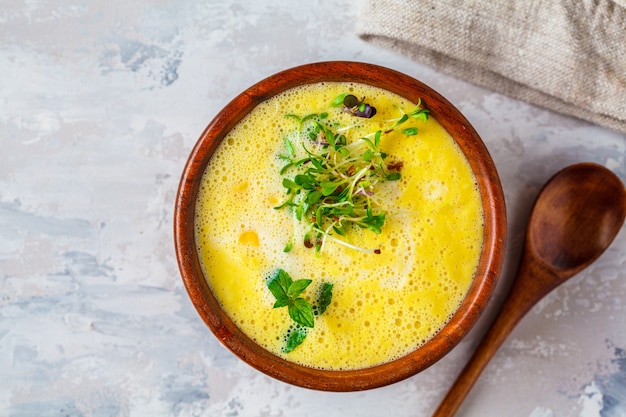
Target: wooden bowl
{"points": [[485, 277]]}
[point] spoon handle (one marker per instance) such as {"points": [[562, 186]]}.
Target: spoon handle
{"points": [[523, 295]]}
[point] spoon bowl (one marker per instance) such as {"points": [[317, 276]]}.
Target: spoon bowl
{"points": [[579, 213], [575, 218]]}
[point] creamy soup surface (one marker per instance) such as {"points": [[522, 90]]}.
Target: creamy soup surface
{"points": [[385, 304]]}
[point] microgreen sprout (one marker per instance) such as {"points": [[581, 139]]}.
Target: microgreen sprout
{"points": [[336, 183]]}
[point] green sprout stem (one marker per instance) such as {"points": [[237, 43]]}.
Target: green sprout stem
{"points": [[335, 185]]}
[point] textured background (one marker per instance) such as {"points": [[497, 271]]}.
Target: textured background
{"points": [[100, 104]]}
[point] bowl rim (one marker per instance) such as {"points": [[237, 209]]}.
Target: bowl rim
{"points": [[480, 292]]}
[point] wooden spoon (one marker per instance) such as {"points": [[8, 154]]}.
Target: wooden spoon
{"points": [[575, 218]]}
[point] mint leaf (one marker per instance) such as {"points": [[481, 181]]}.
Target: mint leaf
{"points": [[287, 293], [295, 339], [326, 295], [301, 312], [297, 287], [279, 286]]}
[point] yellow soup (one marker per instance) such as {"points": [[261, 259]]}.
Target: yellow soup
{"points": [[392, 291]]}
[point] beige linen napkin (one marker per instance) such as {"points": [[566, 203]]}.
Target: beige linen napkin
{"points": [[565, 55]]}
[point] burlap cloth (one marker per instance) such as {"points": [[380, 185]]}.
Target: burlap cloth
{"points": [[564, 55]]}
